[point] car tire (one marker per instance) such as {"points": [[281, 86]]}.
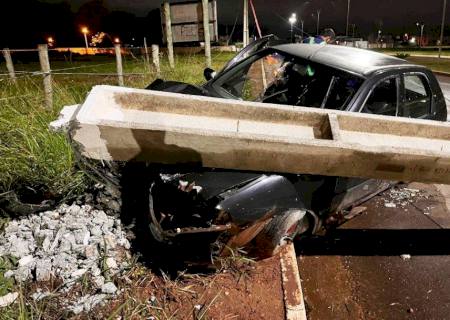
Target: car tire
{"points": [[281, 229]]}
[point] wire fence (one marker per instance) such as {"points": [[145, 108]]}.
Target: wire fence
{"points": [[78, 62]]}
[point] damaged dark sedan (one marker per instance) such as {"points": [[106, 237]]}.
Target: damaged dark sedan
{"points": [[267, 209]]}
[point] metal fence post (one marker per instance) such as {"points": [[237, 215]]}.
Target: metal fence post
{"points": [[9, 65], [155, 56], [119, 64], [45, 68]]}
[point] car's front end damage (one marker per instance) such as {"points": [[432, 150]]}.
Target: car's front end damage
{"points": [[235, 207]]}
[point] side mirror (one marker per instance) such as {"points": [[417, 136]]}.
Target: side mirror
{"points": [[209, 73]]}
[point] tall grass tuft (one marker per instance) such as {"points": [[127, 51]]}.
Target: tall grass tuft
{"points": [[42, 162]]}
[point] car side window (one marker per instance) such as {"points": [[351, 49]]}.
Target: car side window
{"points": [[383, 99], [416, 102]]}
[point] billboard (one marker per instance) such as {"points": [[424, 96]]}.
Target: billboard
{"points": [[187, 22]]}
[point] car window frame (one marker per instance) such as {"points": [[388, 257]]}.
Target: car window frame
{"points": [[217, 83], [398, 80], [427, 89]]}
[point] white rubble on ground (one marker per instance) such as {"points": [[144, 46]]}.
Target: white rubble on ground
{"points": [[66, 243]]}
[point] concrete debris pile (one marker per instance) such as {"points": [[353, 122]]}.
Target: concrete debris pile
{"points": [[401, 197], [68, 243]]}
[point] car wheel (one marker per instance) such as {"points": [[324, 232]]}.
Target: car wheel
{"points": [[280, 230]]}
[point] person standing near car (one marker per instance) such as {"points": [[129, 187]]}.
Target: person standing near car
{"points": [[328, 36]]}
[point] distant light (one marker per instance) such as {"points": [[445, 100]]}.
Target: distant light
{"points": [[85, 30], [50, 40], [293, 18], [413, 40], [116, 40]]}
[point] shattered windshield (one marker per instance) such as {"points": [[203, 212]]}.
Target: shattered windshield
{"points": [[282, 79]]}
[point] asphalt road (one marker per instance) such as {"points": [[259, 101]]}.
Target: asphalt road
{"points": [[357, 271]]}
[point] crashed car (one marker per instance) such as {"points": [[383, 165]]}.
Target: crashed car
{"points": [[267, 208]]}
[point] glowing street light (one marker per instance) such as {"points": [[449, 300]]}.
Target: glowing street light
{"points": [[50, 41], [85, 31], [292, 21], [116, 40]]}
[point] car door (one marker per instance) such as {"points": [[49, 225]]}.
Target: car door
{"points": [[416, 96], [383, 99]]}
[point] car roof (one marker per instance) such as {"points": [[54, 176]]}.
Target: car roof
{"points": [[360, 61]]}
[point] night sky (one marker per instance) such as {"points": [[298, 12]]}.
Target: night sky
{"points": [[368, 15]]}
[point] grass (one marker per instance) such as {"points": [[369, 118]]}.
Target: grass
{"points": [[35, 160], [434, 64], [427, 51]]}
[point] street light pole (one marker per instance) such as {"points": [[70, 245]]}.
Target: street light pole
{"points": [[442, 28], [348, 15], [421, 34], [301, 21], [292, 21], [245, 24], [85, 31], [318, 21]]}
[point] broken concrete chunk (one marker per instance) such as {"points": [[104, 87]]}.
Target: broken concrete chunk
{"points": [[111, 263], [43, 270], [109, 288], [26, 260], [78, 273], [8, 299]]}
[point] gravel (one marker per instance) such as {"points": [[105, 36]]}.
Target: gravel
{"points": [[69, 243]]}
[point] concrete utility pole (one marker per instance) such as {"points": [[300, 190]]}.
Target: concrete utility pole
{"points": [[169, 34], [442, 28], [348, 15], [205, 6], [245, 24]]}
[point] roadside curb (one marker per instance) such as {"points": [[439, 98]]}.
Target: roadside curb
{"points": [[292, 288]]}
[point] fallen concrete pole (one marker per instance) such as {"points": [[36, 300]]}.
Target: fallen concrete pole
{"points": [[130, 124]]}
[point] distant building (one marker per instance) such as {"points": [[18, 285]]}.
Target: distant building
{"points": [[187, 22]]}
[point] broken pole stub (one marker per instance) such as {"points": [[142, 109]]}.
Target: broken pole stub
{"points": [[169, 38], [155, 57], [9, 64], [119, 64], [46, 72], [205, 5]]}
